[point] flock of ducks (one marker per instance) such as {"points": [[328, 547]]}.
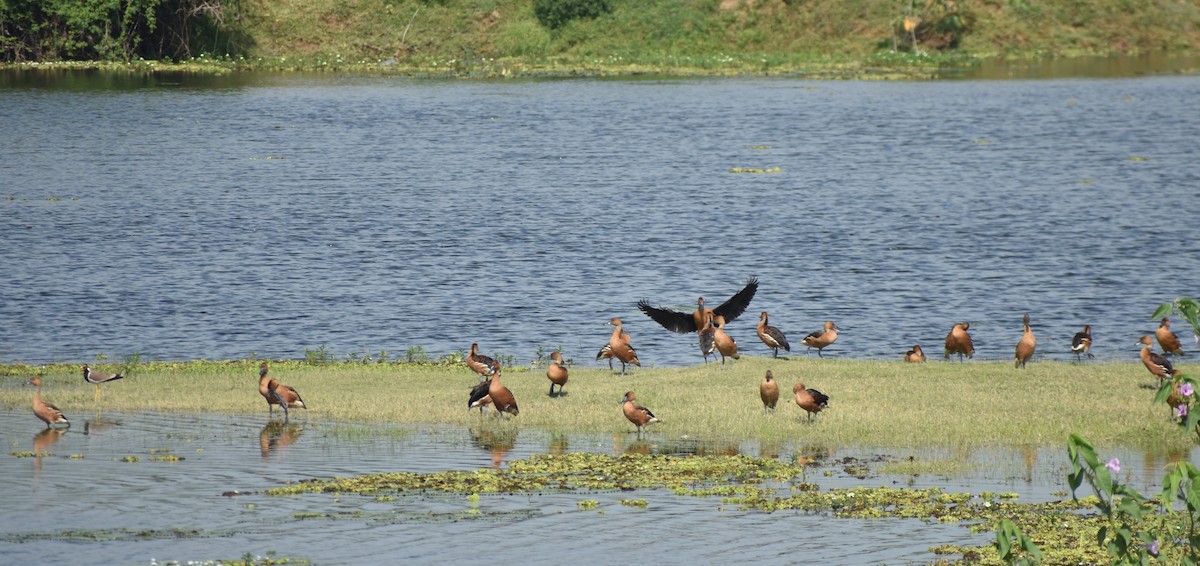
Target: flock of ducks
{"points": [[709, 324]]}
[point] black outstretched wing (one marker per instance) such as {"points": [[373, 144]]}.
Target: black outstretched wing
{"points": [[675, 321], [736, 305], [684, 322]]}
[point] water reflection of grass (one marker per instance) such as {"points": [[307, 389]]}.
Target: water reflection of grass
{"points": [[873, 403]]}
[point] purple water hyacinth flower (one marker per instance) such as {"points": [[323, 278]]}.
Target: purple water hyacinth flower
{"points": [[1113, 466], [1181, 411], [1186, 390], [1152, 548]]}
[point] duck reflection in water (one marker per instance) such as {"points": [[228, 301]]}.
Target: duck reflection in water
{"points": [[99, 424], [498, 442], [278, 434], [558, 443], [42, 441]]}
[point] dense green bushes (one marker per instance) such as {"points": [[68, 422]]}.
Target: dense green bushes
{"points": [[556, 13], [115, 30]]}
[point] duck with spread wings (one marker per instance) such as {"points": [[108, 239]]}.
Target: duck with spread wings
{"points": [[684, 323]]}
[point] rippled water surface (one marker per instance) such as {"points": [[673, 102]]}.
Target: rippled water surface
{"points": [[84, 504], [181, 218]]}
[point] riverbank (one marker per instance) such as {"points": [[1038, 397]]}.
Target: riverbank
{"points": [[509, 38], [873, 403]]}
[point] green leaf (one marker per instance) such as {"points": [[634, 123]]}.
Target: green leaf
{"points": [[1162, 310]]}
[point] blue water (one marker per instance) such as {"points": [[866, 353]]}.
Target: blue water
{"points": [[268, 215]]}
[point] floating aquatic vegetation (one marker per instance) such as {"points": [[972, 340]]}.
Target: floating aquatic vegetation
{"points": [[576, 472], [116, 535], [634, 503], [588, 504], [755, 170], [30, 454]]}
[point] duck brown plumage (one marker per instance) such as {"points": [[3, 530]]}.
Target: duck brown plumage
{"points": [[1027, 344], [771, 336], [768, 391], [45, 411], [637, 414], [819, 339], [958, 341], [277, 393], [1081, 343], [810, 400]]}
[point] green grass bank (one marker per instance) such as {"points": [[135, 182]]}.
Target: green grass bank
{"points": [[873, 403], [819, 38]]}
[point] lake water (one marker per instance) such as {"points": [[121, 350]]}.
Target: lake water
{"points": [[81, 502], [183, 217]]}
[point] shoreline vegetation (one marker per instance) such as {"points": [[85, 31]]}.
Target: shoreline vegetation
{"points": [[875, 404], [819, 39]]}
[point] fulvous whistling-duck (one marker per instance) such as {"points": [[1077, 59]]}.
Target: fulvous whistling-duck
{"points": [[916, 354], [481, 364], [49, 414], [96, 378], [479, 396], [771, 336], [819, 339], [768, 391], [684, 323], [637, 414], [277, 393], [1082, 342], [557, 372], [1167, 339], [502, 398], [959, 342], [1026, 346], [726, 346], [1158, 364], [810, 400], [708, 337], [619, 344]]}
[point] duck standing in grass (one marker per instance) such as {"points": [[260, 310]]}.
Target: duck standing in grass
{"points": [[1081, 343], [47, 412], [619, 344], [1168, 340], [915, 355], [1158, 364], [481, 364], [637, 414], [556, 372], [959, 342], [771, 336], [277, 393], [819, 339], [96, 378], [1027, 344], [810, 400], [768, 391], [726, 346], [502, 399]]}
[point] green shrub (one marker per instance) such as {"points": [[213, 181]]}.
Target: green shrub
{"points": [[557, 13]]}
